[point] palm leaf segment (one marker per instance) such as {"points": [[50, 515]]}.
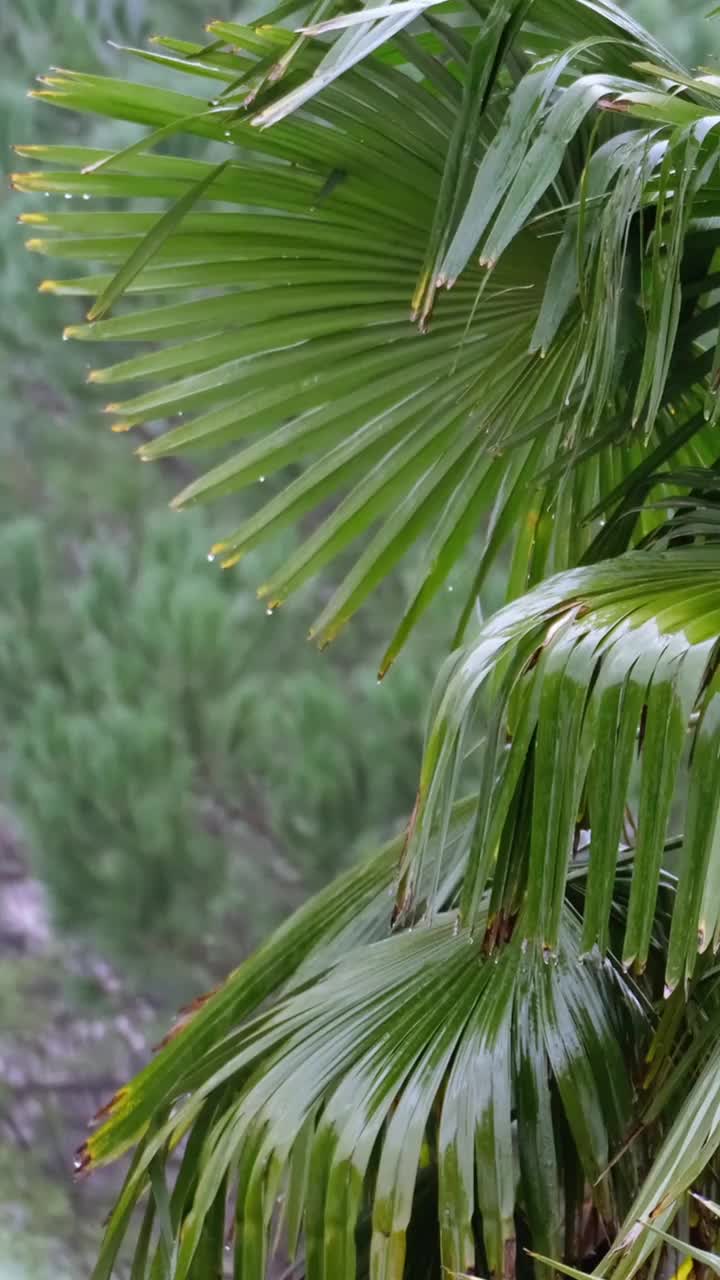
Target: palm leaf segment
{"points": [[288, 317], [454, 143]]}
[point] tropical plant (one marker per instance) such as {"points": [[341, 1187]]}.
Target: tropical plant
{"points": [[498, 1035]]}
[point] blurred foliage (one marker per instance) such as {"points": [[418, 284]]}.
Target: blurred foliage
{"points": [[183, 765], [683, 26]]}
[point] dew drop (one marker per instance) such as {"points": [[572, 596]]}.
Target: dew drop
{"points": [[227, 133], [261, 480], [47, 195], [65, 337], [78, 1163], [269, 613], [451, 588], [68, 196], [211, 557], [85, 195]]}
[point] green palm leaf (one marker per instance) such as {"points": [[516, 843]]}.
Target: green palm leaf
{"points": [[298, 343]]}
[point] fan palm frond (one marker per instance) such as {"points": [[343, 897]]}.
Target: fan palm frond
{"points": [[330, 1099], [282, 311]]}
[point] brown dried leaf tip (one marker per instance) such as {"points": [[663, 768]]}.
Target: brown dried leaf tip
{"points": [[110, 1106], [185, 1015]]}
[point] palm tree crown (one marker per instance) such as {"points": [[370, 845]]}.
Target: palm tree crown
{"points": [[449, 268]]}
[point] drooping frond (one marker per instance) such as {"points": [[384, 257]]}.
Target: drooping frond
{"points": [[597, 701]]}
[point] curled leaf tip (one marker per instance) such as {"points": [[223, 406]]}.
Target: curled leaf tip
{"points": [[48, 286]]}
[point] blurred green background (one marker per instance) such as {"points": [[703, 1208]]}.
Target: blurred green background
{"points": [[177, 769]]}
